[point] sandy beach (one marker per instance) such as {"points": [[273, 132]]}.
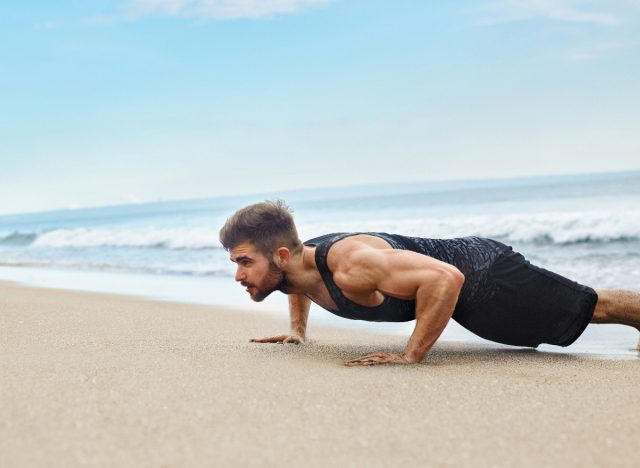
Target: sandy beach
{"points": [[100, 380]]}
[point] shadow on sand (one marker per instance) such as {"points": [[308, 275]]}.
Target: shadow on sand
{"points": [[444, 353]]}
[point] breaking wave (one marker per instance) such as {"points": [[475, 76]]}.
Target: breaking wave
{"points": [[541, 228], [177, 238]]}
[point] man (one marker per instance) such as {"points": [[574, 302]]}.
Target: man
{"points": [[483, 284]]}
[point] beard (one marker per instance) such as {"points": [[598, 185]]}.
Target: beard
{"points": [[276, 281]]}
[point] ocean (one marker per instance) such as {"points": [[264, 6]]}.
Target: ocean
{"points": [[586, 227]]}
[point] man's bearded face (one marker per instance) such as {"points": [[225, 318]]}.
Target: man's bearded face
{"points": [[257, 273], [274, 280]]}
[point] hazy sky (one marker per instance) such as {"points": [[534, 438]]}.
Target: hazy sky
{"points": [[118, 101]]}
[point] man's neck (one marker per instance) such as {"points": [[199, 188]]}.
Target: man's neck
{"points": [[302, 273]]}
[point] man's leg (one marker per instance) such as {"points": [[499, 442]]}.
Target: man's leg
{"points": [[618, 306]]}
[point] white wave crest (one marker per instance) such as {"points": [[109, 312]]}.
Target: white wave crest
{"points": [[178, 238], [543, 227], [547, 227]]}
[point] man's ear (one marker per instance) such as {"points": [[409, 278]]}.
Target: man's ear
{"points": [[282, 256]]}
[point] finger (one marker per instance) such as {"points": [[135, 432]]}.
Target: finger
{"points": [[362, 359], [269, 339], [355, 363], [372, 359], [365, 362], [376, 355], [360, 362], [389, 359], [373, 356]]}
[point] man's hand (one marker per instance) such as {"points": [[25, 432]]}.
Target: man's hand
{"points": [[295, 339], [379, 358]]}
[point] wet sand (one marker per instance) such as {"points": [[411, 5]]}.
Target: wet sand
{"points": [[99, 380]]}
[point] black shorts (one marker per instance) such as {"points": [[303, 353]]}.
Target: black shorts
{"points": [[527, 305]]}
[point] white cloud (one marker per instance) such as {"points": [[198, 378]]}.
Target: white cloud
{"points": [[503, 11], [217, 9]]}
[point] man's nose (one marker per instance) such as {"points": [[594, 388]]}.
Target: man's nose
{"points": [[239, 274]]}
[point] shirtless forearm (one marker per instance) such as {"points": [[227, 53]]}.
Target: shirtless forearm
{"points": [[299, 313], [432, 316]]}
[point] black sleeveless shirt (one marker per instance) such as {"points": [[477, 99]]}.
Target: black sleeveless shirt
{"points": [[473, 256]]}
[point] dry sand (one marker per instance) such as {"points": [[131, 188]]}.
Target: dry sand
{"points": [[100, 380]]}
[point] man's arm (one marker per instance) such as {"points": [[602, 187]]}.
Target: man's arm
{"points": [[298, 312], [364, 271]]}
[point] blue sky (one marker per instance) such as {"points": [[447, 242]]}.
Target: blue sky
{"points": [[109, 102]]}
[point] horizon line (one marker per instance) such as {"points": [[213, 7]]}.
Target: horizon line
{"points": [[271, 193]]}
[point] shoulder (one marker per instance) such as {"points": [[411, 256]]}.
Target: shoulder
{"points": [[355, 250], [357, 261]]}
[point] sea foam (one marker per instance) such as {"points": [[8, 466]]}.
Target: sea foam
{"points": [[545, 227], [540, 228], [176, 238]]}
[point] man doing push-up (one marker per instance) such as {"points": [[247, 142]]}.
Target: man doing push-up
{"points": [[481, 283]]}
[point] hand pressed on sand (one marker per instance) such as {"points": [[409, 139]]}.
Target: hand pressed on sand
{"points": [[379, 358], [295, 339]]}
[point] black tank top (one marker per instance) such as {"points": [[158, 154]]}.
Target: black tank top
{"points": [[473, 256]]}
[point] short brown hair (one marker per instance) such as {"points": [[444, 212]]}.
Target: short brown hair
{"points": [[267, 225]]}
